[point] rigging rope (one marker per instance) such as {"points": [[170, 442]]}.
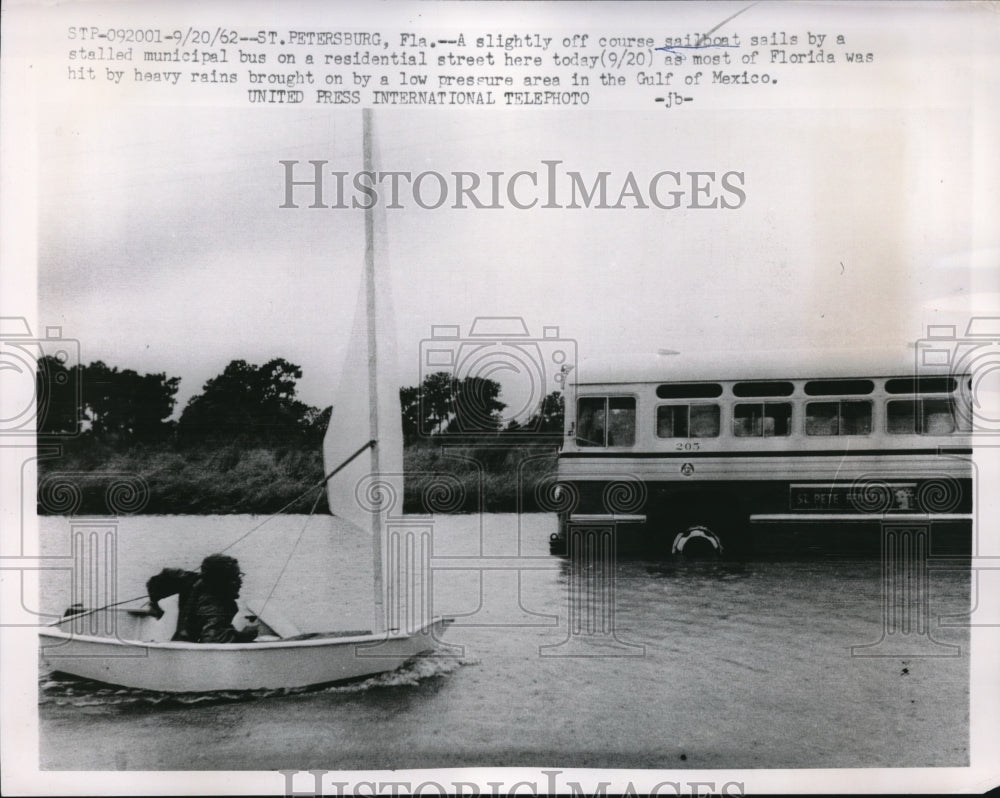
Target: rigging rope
{"points": [[302, 495], [288, 559], [271, 517]]}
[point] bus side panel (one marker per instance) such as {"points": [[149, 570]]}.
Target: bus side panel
{"points": [[753, 516]]}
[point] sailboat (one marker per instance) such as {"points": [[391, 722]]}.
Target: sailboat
{"points": [[131, 647]]}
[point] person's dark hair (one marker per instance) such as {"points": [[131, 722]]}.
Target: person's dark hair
{"points": [[218, 570]]}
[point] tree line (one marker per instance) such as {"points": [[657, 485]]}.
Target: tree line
{"points": [[259, 405]]}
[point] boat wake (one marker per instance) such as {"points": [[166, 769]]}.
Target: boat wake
{"points": [[59, 689]]}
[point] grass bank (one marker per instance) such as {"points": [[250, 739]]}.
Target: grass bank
{"points": [[92, 478]]}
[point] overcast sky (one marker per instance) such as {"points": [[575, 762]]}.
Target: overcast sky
{"points": [[162, 246]]}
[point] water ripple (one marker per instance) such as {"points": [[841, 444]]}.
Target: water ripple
{"points": [[63, 690]]}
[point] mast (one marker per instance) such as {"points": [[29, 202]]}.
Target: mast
{"points": [[373, 387], [363, 446]]}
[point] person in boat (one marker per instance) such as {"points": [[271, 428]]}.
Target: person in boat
{"points": [[206, 600]]}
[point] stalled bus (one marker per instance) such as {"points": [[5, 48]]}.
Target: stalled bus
{"points": [[710, 453]]}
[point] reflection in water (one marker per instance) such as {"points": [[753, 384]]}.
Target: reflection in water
{"points": [[684, 568]]}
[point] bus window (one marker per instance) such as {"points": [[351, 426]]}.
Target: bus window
{"points": [[937, 417], [925, 417], [962, 417], [921, 385], [687, 421], [672, 421], [689, 390], [773, 388], [838, 387], [603, 421], [767, 419], [901, 417], [821, 418], [838, 418], [704, 421], [621, 421], [855, 418], [590, 421]]}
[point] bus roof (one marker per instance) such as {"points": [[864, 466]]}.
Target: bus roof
{"points": [[751, 365]]}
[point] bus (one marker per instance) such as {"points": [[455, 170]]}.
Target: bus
{"points": [[703, 454]]}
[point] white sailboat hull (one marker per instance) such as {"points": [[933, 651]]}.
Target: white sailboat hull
{"points": [[176, 667]]}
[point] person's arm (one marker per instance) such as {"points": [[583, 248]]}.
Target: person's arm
{"points": [[165, 583]]}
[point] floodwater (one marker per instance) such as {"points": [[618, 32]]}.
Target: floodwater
{"points": [[628, 664]]}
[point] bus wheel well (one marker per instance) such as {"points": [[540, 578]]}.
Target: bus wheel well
{"points": [[704, 523], [697, 541]]}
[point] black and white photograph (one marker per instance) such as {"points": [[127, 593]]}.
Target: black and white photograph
{"points": [[499, 398]]}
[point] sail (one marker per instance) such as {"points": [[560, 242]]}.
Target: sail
{"points": [[366, 405]]}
